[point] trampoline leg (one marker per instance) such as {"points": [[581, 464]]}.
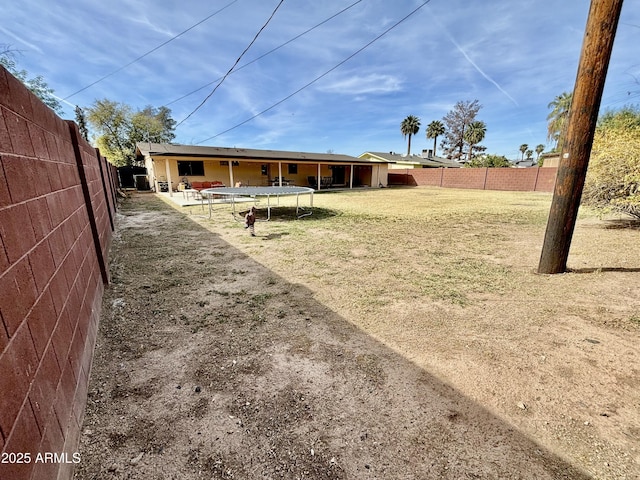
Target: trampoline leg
{"points": [[268, 208], [297, 207]]}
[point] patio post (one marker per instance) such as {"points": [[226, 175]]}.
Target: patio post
{"points": [[168, 171], [231, 182]]}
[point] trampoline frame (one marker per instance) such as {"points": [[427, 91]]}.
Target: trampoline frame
{"points": [[254, 192]]}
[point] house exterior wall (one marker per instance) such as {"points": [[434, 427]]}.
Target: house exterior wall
{"points": [[250, 172], [551, 161], [402, 166], [364, 174], [57, 204], [157, 170]]}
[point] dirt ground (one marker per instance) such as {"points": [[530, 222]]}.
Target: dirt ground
{"points": [[211, 364]]}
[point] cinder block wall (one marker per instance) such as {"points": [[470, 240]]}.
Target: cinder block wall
{"points": [[57, 204], [518, 179], [464, 178], [513, 179]]}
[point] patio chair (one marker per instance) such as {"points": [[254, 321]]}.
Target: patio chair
{"points": [[312, 182]]}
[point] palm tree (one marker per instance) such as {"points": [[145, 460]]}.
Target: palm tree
{"points": [[558, 118], [474, 134], [523, 148], [539, 150], [529, 154], [410, 126], [434, 130]]}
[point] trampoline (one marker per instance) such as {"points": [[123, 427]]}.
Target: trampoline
{"points": [[234, 194]]}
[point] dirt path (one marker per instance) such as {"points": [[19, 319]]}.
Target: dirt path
{"points": [[209, 365]]}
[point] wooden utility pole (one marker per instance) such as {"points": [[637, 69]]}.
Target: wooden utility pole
{"points": [[594, 60]]}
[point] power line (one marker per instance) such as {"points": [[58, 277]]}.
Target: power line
{"points": [[150, 51], [269, 52], [319, 77], [234, 65]]}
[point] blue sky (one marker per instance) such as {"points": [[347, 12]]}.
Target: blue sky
{"points": [[513, 56]]}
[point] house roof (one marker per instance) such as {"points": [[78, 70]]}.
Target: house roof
{"points": [[528, 162], [173, 150], [432, 161]]}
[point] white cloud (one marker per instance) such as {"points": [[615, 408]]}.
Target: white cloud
{"points": [[358, 84], [144, 21]]}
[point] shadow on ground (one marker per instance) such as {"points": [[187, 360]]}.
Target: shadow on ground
{"points": [[306, 214], [602, 269], [623, 224]]}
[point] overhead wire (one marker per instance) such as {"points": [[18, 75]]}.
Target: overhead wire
{"points": [[234, 65], [624, 93], [267, 53], [150, 51], [320, 76]]}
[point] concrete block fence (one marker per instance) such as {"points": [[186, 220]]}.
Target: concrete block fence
{"points": [[57, 207], [533, 179]]}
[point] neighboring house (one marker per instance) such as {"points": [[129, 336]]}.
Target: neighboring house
{"points": [[171, 164], [527, 162], [398, 161]]}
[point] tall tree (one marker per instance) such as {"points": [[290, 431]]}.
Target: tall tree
{"points": [[539, 150], [491, 160], [409, 127], [37, 84], [81, 120], [523, 148], [456, 123], [473, 135], [110, 120], [153, 125], [119, 128], [557, 119], [161, 128], [434, 130]]}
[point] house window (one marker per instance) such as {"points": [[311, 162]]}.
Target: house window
{"points": [[264, 169], [292, 168], [190, 168]]}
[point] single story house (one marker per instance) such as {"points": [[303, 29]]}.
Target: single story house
{"points": [[403, 161], [170, 166]]}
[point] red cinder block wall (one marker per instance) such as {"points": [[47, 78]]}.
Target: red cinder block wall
{"points": [[57, 204], [514, 179]]}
